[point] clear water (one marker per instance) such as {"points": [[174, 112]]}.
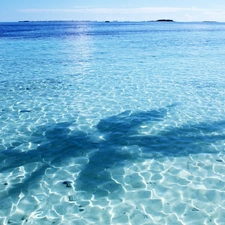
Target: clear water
{"points": [[112, 123]]}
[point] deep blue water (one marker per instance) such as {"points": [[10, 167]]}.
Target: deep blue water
{"points": [[112, 123]]}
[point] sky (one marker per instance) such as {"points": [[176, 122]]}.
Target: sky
{"points": [[120, 10]]}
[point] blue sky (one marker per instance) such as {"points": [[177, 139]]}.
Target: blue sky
{"points": [[133, 10]]}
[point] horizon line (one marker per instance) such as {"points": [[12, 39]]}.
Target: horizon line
{"points": [[157, 20]]}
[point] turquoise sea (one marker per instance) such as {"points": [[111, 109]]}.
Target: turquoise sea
{"points": [[112, 123]]}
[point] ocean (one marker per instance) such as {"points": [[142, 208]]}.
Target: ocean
{"points": [[112, 123]]}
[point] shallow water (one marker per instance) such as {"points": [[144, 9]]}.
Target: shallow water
{"points": [[112, 123]]}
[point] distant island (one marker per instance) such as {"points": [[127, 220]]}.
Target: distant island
{"points": [[164, 20], [209, 21]]}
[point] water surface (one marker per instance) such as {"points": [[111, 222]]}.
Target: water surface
{"points": [[112, 123]]}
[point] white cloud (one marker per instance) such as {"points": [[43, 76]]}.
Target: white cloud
{"points": [[181, 14], [110, 10]]}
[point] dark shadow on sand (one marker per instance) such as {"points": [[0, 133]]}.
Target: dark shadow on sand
{"points": [[58, 142]]}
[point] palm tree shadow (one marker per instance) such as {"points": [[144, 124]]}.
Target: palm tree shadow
{"points": [[104, 147]]}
